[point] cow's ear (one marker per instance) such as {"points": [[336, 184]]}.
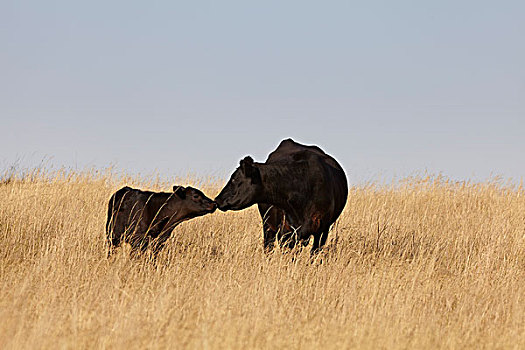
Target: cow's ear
{"points": [[246, 165], [250, 170], [179, 191]]}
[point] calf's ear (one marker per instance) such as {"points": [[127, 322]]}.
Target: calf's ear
{"points": [[179, 191]]}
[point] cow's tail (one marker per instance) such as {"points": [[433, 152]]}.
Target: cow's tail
{"points": [[112, 238], [110, 225]]}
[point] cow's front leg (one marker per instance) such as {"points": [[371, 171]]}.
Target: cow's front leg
{"points": [[287, 239], [271, 219], [319, 241], [269, 238], [161, 239]]}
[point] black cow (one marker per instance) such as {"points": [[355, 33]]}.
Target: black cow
{"points": [[140, 217], [300, 191]]}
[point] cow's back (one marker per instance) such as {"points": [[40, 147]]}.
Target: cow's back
{"points": [[336, 185], [289, 150]]}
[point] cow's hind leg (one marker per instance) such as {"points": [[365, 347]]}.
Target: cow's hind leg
{"points": [[112, 244], [139, 247], [113, 238]]}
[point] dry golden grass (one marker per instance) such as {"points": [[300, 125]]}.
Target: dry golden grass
{"points": [[423, 264]]}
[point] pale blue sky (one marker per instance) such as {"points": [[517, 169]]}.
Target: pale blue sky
{"points": [[389, 88]]}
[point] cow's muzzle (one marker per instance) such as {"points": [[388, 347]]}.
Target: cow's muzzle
{"points": [[222, 206]]}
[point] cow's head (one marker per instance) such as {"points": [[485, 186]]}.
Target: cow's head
{"points": [[194, 202], [243, 189]]}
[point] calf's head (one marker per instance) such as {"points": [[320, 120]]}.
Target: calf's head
{"points": [[243, 189], [194, 202]]}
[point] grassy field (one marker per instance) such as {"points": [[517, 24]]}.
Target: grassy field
{"points": [[426, 263]]}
